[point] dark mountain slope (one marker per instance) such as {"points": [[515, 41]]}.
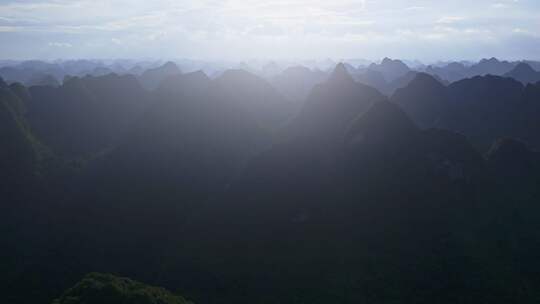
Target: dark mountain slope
{"points": [[19, 155], [183, 151], [372, 78], [292, 216], [483, 108], [424, 100], [354, 204], [331, 106], [85, 115]]}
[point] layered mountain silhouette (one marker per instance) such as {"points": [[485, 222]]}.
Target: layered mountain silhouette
{"points": [[373, 79], [331, 106], [390, 68], [294, 206], [297, 82], [455, 71], [255, 96], [20, 151], [491, 66], [452, 72], [187, 145], [376, 80], [484, 108], [85, 115], [151, 78], [524, 73], [228, 192], [424, 100]]}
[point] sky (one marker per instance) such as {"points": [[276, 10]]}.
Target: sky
{"points": [[280, 29]]}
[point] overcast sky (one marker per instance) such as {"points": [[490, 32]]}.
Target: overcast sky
{"points": [[280, 29]]}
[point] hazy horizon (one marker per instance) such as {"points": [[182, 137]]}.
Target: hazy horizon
{"points": [[270, 30]]}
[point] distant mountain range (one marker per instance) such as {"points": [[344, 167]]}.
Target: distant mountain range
{"points": [[386, 76], [301, 187], [524, 73], [484, 107]]}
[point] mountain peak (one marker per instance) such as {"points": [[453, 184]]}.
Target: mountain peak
{"points": [[391, 69], [170, 66], [490, 60], [523, 67], [387, 60], [524, 73], [3, 84], [340, 73], [425, 80], [384, 120]]}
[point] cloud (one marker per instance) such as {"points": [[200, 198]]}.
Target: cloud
{"points": [[238, 28], [450, 19], [60, 44]]}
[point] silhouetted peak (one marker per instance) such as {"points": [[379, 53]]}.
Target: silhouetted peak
{"points": [[524, 73], [384, 120], [391, 69], [171, 67], [490, 60], [523, 68], [198, 74], [387, 60], [3, 84], [340, 74], [151, 78], [424, 80], [393, 62]]}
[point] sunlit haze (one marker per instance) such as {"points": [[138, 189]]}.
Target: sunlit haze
{"points": [[281, 29]]}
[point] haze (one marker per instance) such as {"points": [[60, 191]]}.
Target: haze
{"points": [[285, 29]]}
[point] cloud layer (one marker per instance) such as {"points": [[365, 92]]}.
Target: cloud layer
{"points": [[240, 29]]}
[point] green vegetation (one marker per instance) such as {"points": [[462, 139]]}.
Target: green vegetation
{"points": [[99, 288]]}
